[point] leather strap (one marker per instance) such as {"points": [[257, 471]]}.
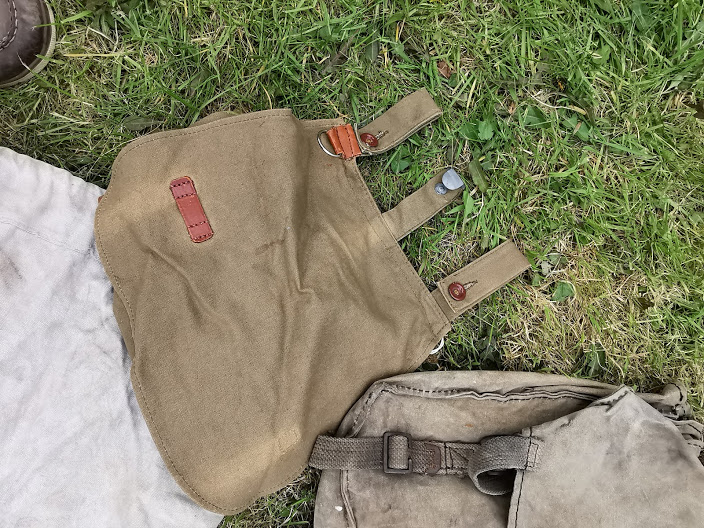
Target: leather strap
{"points": [[344, 141], [426, 202], [490, 463], [395, 125], [479, 279], [401, 121], [184, 192]]}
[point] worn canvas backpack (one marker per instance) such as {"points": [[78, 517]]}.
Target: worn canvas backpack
{"points": [[260, 290], [506, 449]]}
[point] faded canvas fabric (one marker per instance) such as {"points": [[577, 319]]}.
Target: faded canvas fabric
{"points": [[523, 450], [260, 290]]}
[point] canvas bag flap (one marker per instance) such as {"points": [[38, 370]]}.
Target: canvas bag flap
{"points": [[260, 290], [617, 463], [449, 407]]}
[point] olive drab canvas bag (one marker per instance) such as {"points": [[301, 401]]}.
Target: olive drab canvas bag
{"points": [[260, 290], [510, 449]]}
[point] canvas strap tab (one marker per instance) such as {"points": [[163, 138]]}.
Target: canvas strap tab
{"points": [[401, 121], [490, 463], [419, 207], [479, 279]]}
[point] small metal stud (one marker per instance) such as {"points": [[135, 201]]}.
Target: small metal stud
{"points": [[440, 189]]}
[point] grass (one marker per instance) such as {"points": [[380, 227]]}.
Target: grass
{"points": [[577, 111]]}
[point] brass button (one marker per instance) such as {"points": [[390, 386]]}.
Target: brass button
{"points": [[369, 139], [457, 291]]}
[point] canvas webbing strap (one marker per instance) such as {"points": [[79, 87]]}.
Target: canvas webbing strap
{"points": [[401, 121], [462, 290], [490, 463], [392, 127], [426, 202]]}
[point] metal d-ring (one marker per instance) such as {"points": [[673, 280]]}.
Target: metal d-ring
{"points": [[438, 348], [323, 146]]}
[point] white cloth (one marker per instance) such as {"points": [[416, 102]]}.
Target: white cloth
{"points": [[74, 448]]}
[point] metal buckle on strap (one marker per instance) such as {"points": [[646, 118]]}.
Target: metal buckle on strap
{"points": [[397, 471]]}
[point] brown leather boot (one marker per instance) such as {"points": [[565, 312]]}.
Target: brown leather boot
{"points": [[22, 42]]}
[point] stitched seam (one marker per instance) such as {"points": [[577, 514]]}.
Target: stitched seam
{"points": [[395, 246], [431, 215], [130, 310], [166, 451], [520, 490], [485, 256], [183, 214], [459, 310], [408, 133], [404, 262], [40, 236], [139, 143], [348, 145], [499, 397], [402, 104], [423, 221], [459, 307], [12, 33], [222, 509], [374, 396], [347, 499]]}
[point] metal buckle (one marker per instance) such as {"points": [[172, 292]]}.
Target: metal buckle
{"points": [[387, 469]]}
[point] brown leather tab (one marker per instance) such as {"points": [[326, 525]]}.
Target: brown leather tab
{"points": [[191, 209], [335, 140], [344, 141], [479, 279]]}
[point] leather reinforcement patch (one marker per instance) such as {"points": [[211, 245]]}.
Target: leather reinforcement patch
{"points": [[344, 141], [184, 192]]}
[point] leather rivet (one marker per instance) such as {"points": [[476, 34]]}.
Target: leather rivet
{"points": [[369, 139], [457, 291], [440, 189]]}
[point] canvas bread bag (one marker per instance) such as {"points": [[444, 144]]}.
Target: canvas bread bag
{"points": [[260, 290], [506, 449]]}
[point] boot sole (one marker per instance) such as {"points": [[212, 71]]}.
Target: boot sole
{"points": [[39, 64]]}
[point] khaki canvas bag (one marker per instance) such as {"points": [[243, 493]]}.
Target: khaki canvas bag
{"points": [[508, 449], [260, 290]]}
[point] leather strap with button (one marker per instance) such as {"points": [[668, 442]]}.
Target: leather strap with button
{"points": [[457, 293]]}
